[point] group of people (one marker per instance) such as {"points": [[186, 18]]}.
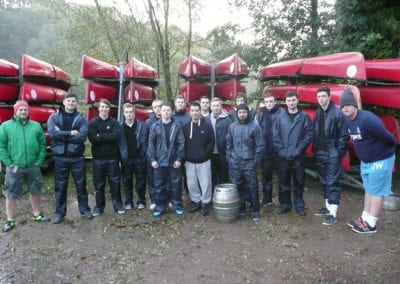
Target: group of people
{"points": [[175, 151]]}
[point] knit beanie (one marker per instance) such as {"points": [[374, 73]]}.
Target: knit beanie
{"points": [[19, 104], [243, 106], [347, 98]]}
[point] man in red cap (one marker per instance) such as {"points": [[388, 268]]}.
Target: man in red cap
{"points": [[22, 150]]}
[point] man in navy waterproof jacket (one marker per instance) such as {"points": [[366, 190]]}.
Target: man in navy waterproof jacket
{"points": [[68, 130], [330, 145], [266, 118], [244, 149], [293, 133], [104, 133], [133, 149], [166, 151]]}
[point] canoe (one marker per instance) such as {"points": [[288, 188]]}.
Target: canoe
{"points": [[6, 112], [280, 90], [136, 92], [386, 70], [140, 72], [8, 69], [35, 70], [193, 67], [227, 90], [8, 92], [32, 93], [142, 113], [193, 91], [96, 91], [383, 96], [308, 93], [348, 65], [92, 68], [93, 112], [41, 113], [232, 66]]}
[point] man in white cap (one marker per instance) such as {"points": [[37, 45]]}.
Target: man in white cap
{"points": [[22, 150]]}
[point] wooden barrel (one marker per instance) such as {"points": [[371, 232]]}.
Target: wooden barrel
{"points": [[226, 202]]}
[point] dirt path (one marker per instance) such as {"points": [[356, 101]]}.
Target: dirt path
{"points": [[136, 248]]}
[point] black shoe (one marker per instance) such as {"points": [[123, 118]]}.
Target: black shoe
{"points": [[322, 212], [255, 216], [301, 212], [266, 202], [97, 212], [195, 206], [87, 215], [329, 220], [57, 219], [204, 209], [283, 210], [242, 210]]}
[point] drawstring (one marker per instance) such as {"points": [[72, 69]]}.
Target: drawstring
{"points": [[191, 128]]}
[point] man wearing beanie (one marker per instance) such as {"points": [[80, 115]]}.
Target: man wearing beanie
{"points": [[240, 99], [22, 150], [375, 147], [330, 145], [292, 133], [244, 150]]}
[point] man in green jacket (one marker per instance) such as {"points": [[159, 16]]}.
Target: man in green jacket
{"points": [[22, 150]]}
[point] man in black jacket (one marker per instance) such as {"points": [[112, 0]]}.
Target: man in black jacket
{"points": [[104, 133], [68, 130], [199, 141], [133, 148], [292, 134]]}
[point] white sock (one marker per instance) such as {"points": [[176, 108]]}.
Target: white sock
{"points": [[326, 204], [364, 215], [333, 209], [371, 220]]}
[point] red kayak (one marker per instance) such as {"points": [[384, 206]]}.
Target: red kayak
{"points": [[38, 71], [280, 90], [232, 66], [349, 65], [41, 113], [8, 92], [140, 71], [136, 92], [142, 113], [93, 112], [96, 91], [383, 70], [92, 68], [383, 96], [32, 92], [193, 67], [193, 91], [8, 69], [6, 112], [227, 90]]}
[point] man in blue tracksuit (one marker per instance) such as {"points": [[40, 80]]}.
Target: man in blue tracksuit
{"points": [[244, 149], [330, 145], [133, 148], [68, 130], [292, 134], [166, 151]]}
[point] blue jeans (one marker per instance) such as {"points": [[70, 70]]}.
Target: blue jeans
{"points": [[101, 170], [77, 167]]}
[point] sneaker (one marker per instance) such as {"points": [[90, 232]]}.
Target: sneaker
{"points": [[141, 206], [364, 228], [96, 212], [329, 220], [57, 219], [242, 210], [266, 203], [170, 205], [283, 210], [195, 206], [301, 212], [179, 212], [205, 209], [152, 206], [128, 207], [158, 213], [8, 226], [87, 215], [255, 216], [355, 222], [41, 217], [322, 212], [121, 211]]}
